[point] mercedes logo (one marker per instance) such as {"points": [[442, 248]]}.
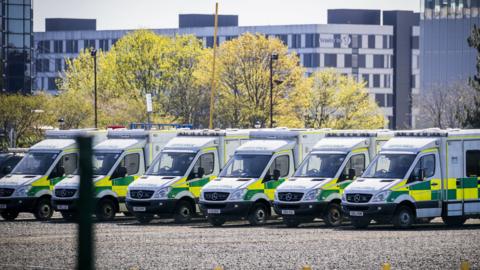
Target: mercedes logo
{"points": [[356, 198], [288, 197], [214, 196], [140, 194], [63, 193]]}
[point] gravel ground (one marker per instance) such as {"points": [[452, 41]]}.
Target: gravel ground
{"points": [[125, 244]]}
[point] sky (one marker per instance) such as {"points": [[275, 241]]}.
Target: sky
{"points": [[134, 14]]}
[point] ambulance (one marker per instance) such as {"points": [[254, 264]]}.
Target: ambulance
{"points": [[245, 187], [28, 187], [315, 189], [418, 176], [171, 186], [117, 162]]}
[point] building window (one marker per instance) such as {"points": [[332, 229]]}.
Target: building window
{"points": [[356, 41], [391, 122], [361, 61], [389, 100], [296, 41], [330, 60], [371, 41], [209, 43], [43, 46], [58, 65], [283, 38], [348, 60], [114, 41], [312, 40], [386, 81], [103, 44], [89, 44], [415, 43], [311, 60], [71, 46], [387, 42], [230, 37], [58, 46], [376, 80], [42, 65], [366, 79], [378, 61], [413, 81], [51, 83], [380, 99]]}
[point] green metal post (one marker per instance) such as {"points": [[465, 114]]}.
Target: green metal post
{"points": [[86, 206]]}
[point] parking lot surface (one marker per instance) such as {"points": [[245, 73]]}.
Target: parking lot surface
{"points": [[126, 244]]}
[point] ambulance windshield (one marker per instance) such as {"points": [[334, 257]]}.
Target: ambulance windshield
{"points": [[389, 166], [104, 161], [246, 166], [171, 164], [35, 163], [320, 165]]}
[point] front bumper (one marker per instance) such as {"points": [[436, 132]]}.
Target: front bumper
{"points": [[151, 206], [25, 204], [228, 210], [300, 209], [65, 205], [369, 210]]}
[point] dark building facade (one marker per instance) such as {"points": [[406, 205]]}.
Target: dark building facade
{"points": [[354, 16], [446, 58], [16, 46], [206, 20], [67, 24]]}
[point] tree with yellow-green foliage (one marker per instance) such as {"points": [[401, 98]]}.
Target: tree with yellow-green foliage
{"points": [[340, 102], [243, 81]]}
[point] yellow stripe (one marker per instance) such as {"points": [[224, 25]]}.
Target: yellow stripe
{"points": [[70, 150], [360, 150], [42, 181], [430, 150], [134, 150], [209, 149], [282, 152]]}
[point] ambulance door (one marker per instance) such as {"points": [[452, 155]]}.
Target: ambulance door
{"points": [[470, 184]]}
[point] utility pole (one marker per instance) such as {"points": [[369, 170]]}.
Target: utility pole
{"points": [[93, 53], [273, 56], [212, 92]]}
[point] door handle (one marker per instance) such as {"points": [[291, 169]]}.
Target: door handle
{"points": [[434, 184], [459, 183]]}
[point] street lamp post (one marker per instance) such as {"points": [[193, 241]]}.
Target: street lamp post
{"points": [[93, 53], [273, 57]]}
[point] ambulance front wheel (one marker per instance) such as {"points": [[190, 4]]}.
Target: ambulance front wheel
{"points": [[183, 212], [216, 221], [106, 210], [43, 209], [360, 223], [333, 215], [454, 221], [9, 215], [403, 217], [258, 215]]}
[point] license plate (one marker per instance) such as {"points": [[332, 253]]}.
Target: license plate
{"points": [[213, 211], [62, 207], [356, 213], [139, 209], [3, 206], [288, 212]]}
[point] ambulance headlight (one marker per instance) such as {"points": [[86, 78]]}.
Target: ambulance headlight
{"points": [[237, 195], [381, 196], [162, 193], [21, 192], [344, 197], [312, 195]]}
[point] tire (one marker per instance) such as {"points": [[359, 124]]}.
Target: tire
{"points": [[105, 210], [291, 223], [216, 221], [258, 215], [9, 215], [43, 209], [333, 216], [183, 212], [403, 217], [69, 216], [144, 218], [454, 221], [360, 223]]}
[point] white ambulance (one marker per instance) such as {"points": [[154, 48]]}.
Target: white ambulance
{"points": [[417, 176], [335, 161]]}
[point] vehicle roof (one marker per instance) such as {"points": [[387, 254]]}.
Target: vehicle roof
{"points": [[344, 144], [379, 133], [119, 144], [265, 146], [283, 133], [53, 144], [410, 144], [72, 133], [214, 132], [190, 143]]}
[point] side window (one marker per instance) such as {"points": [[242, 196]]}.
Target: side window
{"points": [[131, 163], [354, 168], [425, 168], [472, 163], [69, 162], [279, 168], [204, 166]]}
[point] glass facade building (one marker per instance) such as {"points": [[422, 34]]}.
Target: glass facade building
{"points": [[445, 57], [16, 46]]}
